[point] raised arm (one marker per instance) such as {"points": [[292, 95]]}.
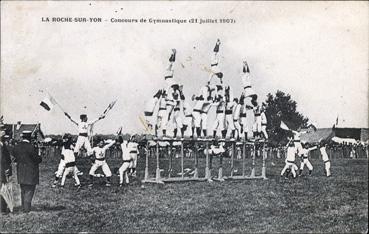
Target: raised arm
{"points": [[313, 148], [95, 120], [294, 132], [70, 118], [109, 145]]}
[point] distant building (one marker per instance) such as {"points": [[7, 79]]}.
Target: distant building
{"points": [[359, 134], [15, 130]]}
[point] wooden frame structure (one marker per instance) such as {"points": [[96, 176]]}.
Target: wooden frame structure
{"points": [[161, 180]]}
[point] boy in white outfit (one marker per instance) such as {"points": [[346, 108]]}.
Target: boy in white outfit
{"points": [[215, 71], [220, 117], [264, 122], [236, 117], [325, 158], [196, 113], [257, 121], [83, 129], [243, 117], [59, 173], [134, 152], [305, 158], [100, 161], [187, 112], [246, 80], [127, 161], [169, 72], [149, 109], [290, 160], [70, 164], [297, 141], [229, 112], [162, 118], [177, 118], [208, 102]]}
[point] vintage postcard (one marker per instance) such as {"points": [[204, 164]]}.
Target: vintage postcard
{"points": [[184, 116]]}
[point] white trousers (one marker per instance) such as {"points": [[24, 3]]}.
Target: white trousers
{"points": [[306, 162], [298, 147], [293, 167], [162, 119], [69, 170], [204, 121], [123, 172], [327, 165], [61, 167], [188, 121], [244, 124], [197, 118], [257, 124], [83, 141], [177, 120], [104, 166], [229, 122], [263, 130], [219, 122], [133, 163], [237, 125]]}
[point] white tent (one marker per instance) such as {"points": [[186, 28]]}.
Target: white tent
{"points": [[344, 140]]}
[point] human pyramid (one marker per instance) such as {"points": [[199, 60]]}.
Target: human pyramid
{"points": [[69, 152], [170, 105]]}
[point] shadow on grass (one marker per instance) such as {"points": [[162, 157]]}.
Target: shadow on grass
{"points": [[40, 208]]}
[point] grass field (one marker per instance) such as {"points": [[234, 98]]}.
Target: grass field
{"points": [[307, 204]]}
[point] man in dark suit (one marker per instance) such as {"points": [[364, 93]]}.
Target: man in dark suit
{"points": [[27, 159], [5, 170]]}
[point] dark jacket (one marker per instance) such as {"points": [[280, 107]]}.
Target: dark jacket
{"points": [[26, 156], [5, 162]]}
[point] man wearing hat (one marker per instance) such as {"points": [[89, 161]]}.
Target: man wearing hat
{"points": [[5, 169], [27, 159]]}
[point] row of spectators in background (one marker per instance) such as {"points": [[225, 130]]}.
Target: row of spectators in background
{"points": [[334, 149]]}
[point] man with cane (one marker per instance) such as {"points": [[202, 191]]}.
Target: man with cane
{"points": [[27, 158]]}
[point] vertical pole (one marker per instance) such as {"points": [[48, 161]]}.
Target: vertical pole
{"points": [[157, 162], [169, 150], [220, 172], [196, 173], [182, 155], [232, 159], [253, 161], [243, 158], [146, 161], [263, 169], [207, 170]]}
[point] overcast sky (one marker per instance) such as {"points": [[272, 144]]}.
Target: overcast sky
{"points": [[316, 51]]}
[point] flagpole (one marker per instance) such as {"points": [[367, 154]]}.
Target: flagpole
{"points": [[110, 106], [61, 108]]}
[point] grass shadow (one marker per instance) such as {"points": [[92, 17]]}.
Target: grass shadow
{"points": [[41, 208]]}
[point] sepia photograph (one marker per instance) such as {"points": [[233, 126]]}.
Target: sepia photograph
{"points": [[184, 116]]}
